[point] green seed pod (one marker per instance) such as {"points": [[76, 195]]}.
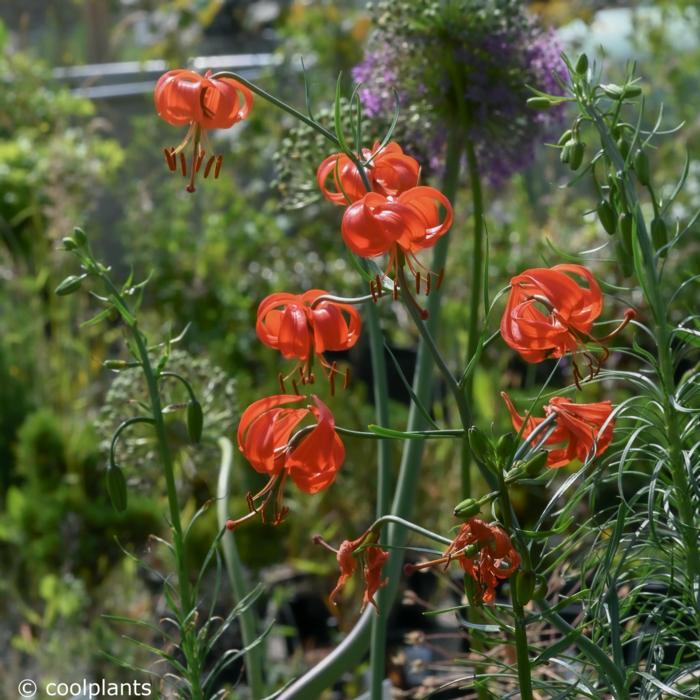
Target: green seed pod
{"points": [[481, 446], [69, 243], [467, 508], [607, 216], [624, 259], [659, 233], [116, 487], [576, 155], [625, 223], [71, 284], [524, 586], [614, 92], [641, 167], [565, 137], [623, 146], [581, 64], [195, 421], [533, 467], [505, 448], [539, 102], [79, 236]]}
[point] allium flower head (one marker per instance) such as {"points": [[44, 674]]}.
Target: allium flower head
{"points": [[468, 62]]}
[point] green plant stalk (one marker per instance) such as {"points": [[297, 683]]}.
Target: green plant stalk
{"points": [[186, 603], [652, 291], [351, 650], [521, 645], [381, 402], [476, 292], [234, 568]]}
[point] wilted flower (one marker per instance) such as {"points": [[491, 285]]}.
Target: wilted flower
{"points": [[468, 61], [373, 559], [311, 457], [185, 97], [485, 553], [577, 426], [304, 326]]}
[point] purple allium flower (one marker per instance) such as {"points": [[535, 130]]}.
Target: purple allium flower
{"points": [[467, 62]]}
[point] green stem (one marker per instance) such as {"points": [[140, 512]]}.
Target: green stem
{"points": [[185, 591], [381, 402], [234, 567], [476, 293], [521, 645]]}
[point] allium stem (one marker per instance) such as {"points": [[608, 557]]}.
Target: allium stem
{"points": [[476, 295]]}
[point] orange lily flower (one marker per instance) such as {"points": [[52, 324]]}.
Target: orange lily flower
{"points": [[577, 425], [485, 553], [204, 102], [549, 313], [298, 325], [373, 559], [389, 171], [311, 457], [397, 225]]}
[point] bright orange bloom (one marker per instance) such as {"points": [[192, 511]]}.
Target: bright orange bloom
{"points": [[489, 556], [204, 102], [549, 314], [298, 327], [389, 171], [406, 224], [311, 458], [577, 425], [373, 559]]}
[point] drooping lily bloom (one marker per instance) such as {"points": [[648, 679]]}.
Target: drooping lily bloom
{"points": [[389, 171], [550, 313], [204, 102], [373, 559], [577, 426], [397, 225], [311, 457], [485, 553], [301, 326]]}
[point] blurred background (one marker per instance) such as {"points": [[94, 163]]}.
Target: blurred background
{"points": [[80, 144]]}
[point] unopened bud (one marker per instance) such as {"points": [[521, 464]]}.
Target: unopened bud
{"points": [[71, 284], [505, 447], [79, 236], [566, 136], [625, 223], [115, 364], [116, 487], [69, 243], [467, 508], [581, 64], [641, 167], [539, 102], [195, 421], [623, 146], [481, 446], [576, 155], [607, 216]]}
